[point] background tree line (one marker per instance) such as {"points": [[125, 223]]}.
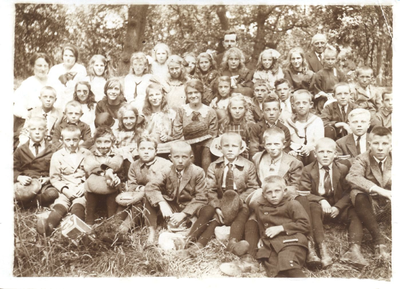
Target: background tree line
{"points": [[363, 33]]}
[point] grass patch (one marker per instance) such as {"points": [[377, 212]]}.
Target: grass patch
{"points": [[57, 256]]}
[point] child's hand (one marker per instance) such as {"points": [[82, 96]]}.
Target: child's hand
{"points": [[177, 218], [79, 191], [305, 151], [165, 209], [292, 153], [220, 216], [334, 212], [68, 193], [385, 193], [273, 231], [165, 137], [44, 180], [24, 180], [326, 207]]}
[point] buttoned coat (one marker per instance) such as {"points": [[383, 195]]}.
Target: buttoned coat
{"points": [[363, 100], [191, 193], [26, 164], [64, 172], [313, 62], [310, 179], [245, 179], [331, 113]]}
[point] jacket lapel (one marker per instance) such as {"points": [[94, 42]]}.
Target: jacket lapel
{"points": [[315, 178], [285, 165], [219, 172], [335, 178], [375, 170], [351, 145], [185, 178], [387, 171]]}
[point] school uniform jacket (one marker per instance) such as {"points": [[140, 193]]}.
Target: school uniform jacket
{"points": [[139, 174], [288, 213], [245, 178], [64, 172], [290, 169], [26, 164], [331, 113], [313, 61], [191, 193], [83, 127], [363, 100], [310, 179], [256, 136], [365, 173], [347, 146], [258, 114]]}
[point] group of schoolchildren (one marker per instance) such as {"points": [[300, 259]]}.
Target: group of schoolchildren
{"points": [[202, 147]]}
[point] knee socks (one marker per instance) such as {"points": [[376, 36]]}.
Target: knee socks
{"points": [[79, 211], [205, 215], [252, 236], [54, 219], [366, 215]]}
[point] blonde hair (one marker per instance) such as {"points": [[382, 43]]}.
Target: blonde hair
{"points": [[36, 120], [160, 46], [359, 111], [141, 58], [73, 103], [92, 61], [229, 52]]}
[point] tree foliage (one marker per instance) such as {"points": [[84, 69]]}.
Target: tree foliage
{"points": [[119, 30]]}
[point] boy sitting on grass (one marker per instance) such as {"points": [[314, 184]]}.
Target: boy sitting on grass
{"points": [[273, 161], [330, 202], [102, 168], [32, 164], [140, 173], [355, 143], [230, 179], [52, 115], [68, 177], [72, 115], [370, 178], [283, 224], [179, 194], [335, 114]]}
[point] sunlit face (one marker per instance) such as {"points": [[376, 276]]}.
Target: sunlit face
{"points": [[113, 92], [325, 153], [364, 78], [161, 56], [237, 109], [155, 97], [138, 67], [180, 158], [175, 70], [359, 124], [267, 61], [48, 98], [37, 132], [71, 140], [388, 102], [342, 95], [69, 58], [147, 151], [193, 96], [271, 111], [82, 92], [229, 41], [274, 192], [224, 88], [41, 68], [73, 114], [129, 119], [330, 60], [283, 91], [191, 61], [231, 146], [99, 67], [260, 92], [233, 61], [204, 64], [104, 143], [380, 146], [296, 60], [319, 46], [302, 104], [274, 145]]}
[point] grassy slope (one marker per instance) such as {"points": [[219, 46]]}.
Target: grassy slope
{"points": [[57, 256]]}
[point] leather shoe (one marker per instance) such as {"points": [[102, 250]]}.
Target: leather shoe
{"points": [[312, 261], [354, 257], [381, 252], [326, 259], [238, 248]]}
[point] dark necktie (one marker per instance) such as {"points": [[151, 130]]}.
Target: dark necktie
{"points": [[137, 83], [358, 145], [381, 167], [45, 115], [179, 176], [327, 181], [343, 113], [36, 145], [229, 178]]}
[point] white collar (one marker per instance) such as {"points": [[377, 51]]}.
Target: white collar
{"points": [[378, 161], [321, 166], [226, 162], [42, 143], [203, 110], [363, 137]]}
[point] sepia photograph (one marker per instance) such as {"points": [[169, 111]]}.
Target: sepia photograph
{"points": [[199, 140]]}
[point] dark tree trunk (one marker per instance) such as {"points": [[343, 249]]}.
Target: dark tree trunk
{"points": [[221, 13], [134, 35]]}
